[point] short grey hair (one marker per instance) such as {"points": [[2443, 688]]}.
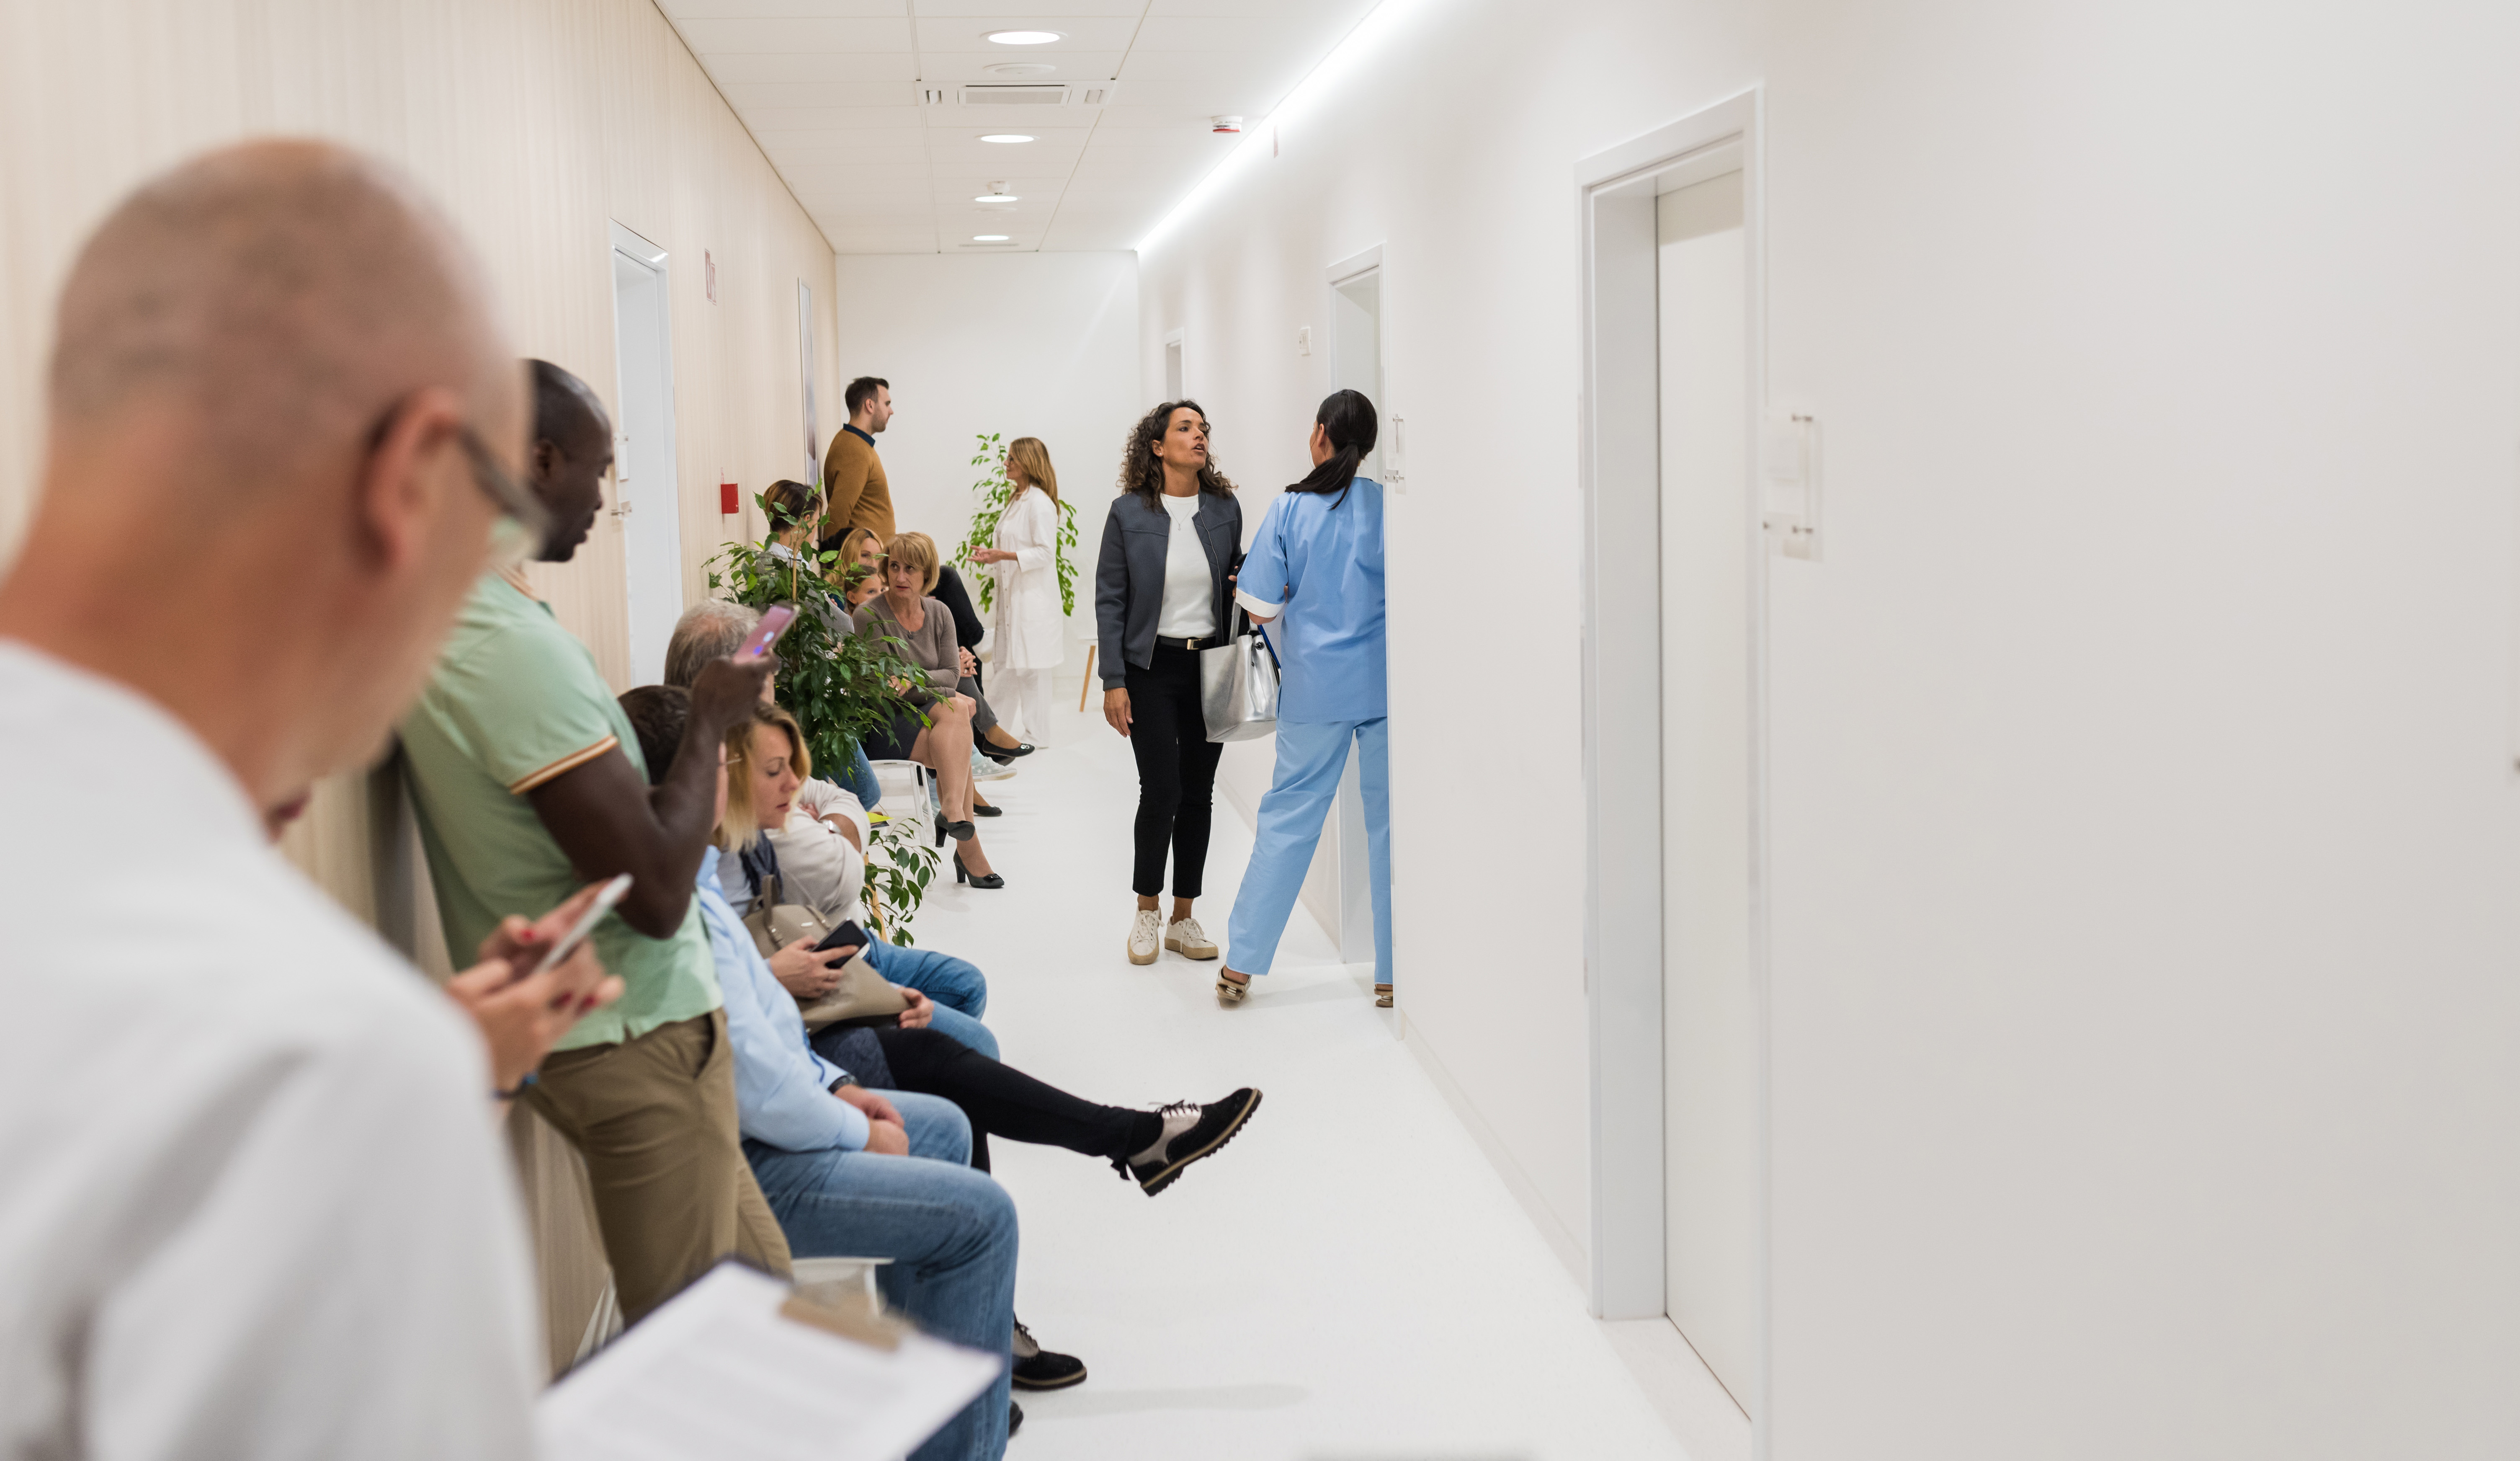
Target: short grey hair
{"points": [[708, 630]]}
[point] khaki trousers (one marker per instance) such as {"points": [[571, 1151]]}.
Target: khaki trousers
{"points": [[655, 1118]]}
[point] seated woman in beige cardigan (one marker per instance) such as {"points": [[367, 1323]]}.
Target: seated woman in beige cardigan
{"points": [[904, 612]]}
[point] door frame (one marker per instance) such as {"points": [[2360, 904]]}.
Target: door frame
{"points": [[628, 245], [1620, 472], [1355, 931]]}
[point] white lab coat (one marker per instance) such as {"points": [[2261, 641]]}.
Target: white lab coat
{"points": [[1027, 626]]}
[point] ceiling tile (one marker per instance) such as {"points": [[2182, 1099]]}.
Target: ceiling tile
{"points": [[1005, 10], [707, 37], [694, 10], [1274, 70]]}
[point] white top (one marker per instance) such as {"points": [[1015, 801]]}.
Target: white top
{"points": [[822, 871], [1025, 615], [1189, 595], [255, 1201]]}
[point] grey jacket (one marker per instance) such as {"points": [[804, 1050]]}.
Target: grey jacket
{"points": [[1129, 578]]}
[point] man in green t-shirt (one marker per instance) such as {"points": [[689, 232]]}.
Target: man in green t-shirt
{"points": [[528, 781]]}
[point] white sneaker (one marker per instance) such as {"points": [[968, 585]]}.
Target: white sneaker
{"points": [[1184, 937], [985, 769], [1147, 937]]}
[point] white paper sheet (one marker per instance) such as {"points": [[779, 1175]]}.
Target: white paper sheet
{"points": [[719, 1375]]}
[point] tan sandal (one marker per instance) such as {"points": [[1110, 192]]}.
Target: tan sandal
{"points": [[1227, 992], [1382, 996]]}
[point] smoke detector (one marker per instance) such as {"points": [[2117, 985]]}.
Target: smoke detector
{"points": [[1225, 125], [997, 194], [1020, 69]]}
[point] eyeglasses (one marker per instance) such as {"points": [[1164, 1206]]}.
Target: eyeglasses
{"points": [[522, 524]]}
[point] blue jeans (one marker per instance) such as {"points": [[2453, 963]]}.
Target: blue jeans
{"points": [[857, 778], [950, 1232], [946, 1020], [956, 984], [1311, 755]]}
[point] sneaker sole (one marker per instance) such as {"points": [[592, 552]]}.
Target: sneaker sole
{"points": [[1021, 1383], [1149, 959], [1171, 1174], [1174, 945]]}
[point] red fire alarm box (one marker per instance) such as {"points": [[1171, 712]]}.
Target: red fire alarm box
{"points": [[730, 498]]}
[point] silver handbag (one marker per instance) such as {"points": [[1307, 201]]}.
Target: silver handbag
{"points": [[1238, 684]]}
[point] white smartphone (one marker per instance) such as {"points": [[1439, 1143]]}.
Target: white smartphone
{"points": [[605, 902]]}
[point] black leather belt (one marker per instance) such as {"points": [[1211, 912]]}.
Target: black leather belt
{"points": [[1209, 642]]}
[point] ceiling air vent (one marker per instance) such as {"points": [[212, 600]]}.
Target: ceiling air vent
{"points": [[1036, 94], [932, 96]]}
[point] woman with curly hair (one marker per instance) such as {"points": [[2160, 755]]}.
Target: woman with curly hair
{"points": [[1169, 546]]}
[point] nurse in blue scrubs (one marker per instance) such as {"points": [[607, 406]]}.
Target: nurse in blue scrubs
{"points": [[1314, 576]]}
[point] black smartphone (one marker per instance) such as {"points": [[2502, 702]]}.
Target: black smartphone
{"points": [[847, 935]]}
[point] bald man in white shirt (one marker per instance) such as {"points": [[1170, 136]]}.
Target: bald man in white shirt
{"points": [[254, 1203]]}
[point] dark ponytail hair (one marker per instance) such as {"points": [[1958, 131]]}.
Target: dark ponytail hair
{"points": [[789, 503], [1349, 419]]}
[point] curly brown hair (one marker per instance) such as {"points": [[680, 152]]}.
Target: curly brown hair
{"points": [[1142, 471]]}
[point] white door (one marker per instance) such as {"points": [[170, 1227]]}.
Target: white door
{"points": [[646, 501], [1710, 1028]]}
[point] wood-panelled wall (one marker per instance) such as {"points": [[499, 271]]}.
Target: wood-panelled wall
{"points": [[537, 122]]}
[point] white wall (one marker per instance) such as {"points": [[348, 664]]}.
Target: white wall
{"points": [[1024, 345], [2145, 832]]}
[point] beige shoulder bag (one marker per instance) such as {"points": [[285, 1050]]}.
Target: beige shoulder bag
{"points": [[863, 993]]}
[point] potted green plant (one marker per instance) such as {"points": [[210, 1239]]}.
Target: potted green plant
{"points": [[839, 687]]}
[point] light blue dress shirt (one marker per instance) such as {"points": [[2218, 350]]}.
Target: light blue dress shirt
{"points": [[782, 1089], [1323, 566]]}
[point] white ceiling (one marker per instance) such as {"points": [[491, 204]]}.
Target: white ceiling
{"points": [[831, 89]]}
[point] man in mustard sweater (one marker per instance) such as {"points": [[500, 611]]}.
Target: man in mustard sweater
{"points": [[853, 481]]}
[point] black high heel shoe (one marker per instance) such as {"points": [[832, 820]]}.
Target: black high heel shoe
{"points": [[979, 811], [961, 831], [963, 874], [1004, 755]]}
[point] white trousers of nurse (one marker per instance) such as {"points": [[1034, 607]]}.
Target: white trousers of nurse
{"points": [[1311, 755]]}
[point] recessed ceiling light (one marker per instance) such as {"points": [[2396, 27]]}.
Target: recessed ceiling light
{"points": [[994, 197], [1006, 137], [988, 238], [1025, 37]]}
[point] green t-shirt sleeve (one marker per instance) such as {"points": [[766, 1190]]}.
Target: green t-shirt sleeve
{"points": [[529, 706]]}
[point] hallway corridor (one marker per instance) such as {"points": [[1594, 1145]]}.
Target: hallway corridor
{"points": [[1350, 1278]]}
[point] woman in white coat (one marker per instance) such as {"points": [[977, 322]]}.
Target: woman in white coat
{"points": [[1027, 624]]}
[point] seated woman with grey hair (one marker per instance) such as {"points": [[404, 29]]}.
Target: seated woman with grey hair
{"points": [[712, 629]]}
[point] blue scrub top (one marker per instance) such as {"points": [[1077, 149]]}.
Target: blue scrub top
{"points": [[1323, 565]]}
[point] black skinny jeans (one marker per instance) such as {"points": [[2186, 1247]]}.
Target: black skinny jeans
{"points": [[1001, 1099], [1176, 771]]}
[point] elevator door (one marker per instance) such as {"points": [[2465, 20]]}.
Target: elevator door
{"points": [[1710, 1067]]}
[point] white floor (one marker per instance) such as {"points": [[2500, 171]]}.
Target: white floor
{"points": [[1349, 1278]]}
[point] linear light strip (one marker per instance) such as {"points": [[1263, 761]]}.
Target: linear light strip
{"points": [[1352, 49]]}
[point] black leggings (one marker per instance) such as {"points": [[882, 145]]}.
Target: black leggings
{"points": [[1001, 1099], [1176, 771]]}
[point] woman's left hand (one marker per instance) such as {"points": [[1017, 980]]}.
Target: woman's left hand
{"points": [[969, 663], [919, 1011]]}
